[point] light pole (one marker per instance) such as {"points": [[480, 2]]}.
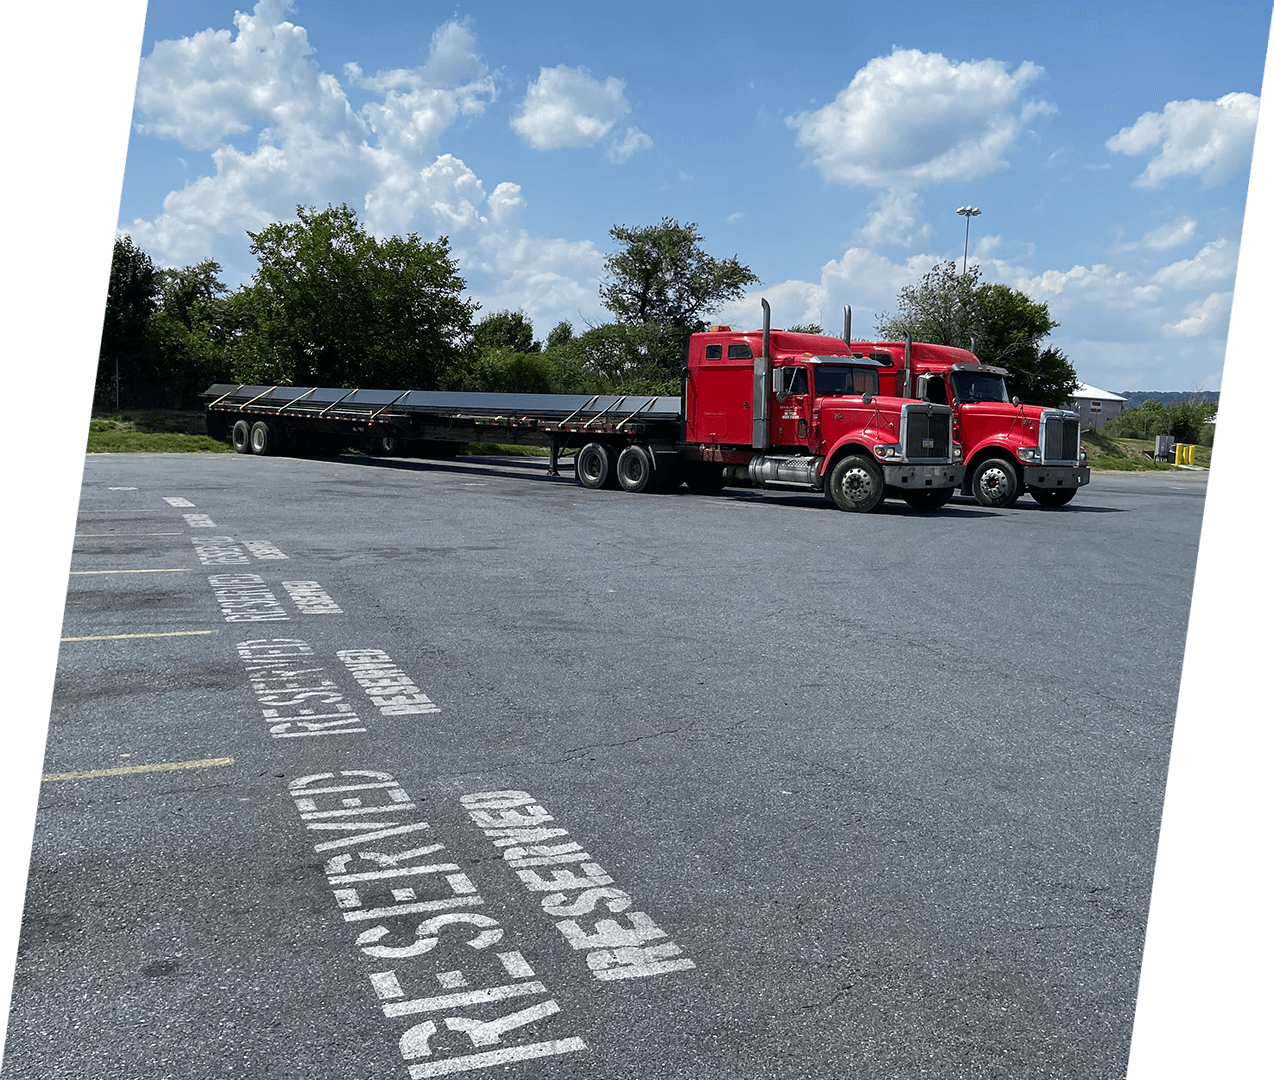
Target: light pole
{"points": [[967, 212]]}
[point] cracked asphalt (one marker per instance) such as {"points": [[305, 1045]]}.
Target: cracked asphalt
{"points": [[891, 783]]}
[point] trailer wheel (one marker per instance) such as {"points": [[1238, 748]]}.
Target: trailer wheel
{"points": [[595, 465], [995, 483], [380, 445], [1052, 496], [264, 438], [241, 436], [929, 499], [856, 484], [636, 469]]}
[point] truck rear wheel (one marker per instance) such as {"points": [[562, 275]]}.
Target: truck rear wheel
{"points": [[856, 484], [994, 483], [636, 469], [264, 438], [928, 499], [241, 436], [595, 465], [1052, 496]]}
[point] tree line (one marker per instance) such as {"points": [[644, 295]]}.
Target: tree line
{"points": [[330, 304]]}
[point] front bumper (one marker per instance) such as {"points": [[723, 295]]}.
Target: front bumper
{"points": [[909, 477], [1056, 476]]}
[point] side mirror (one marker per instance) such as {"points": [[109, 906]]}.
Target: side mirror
{"points": [[1017, 400], [867, 398], [779, 380]]}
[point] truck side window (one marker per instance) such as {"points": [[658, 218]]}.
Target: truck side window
{"points": [[712, 352], [936, 392], [798, 382], [738, 352]]}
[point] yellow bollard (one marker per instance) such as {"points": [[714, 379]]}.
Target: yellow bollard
{"points": [[1190, 454], [1179, 449]]}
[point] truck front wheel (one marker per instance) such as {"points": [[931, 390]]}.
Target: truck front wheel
{"points": [[856, 484], [595, 465], [241, 436], [995, 483]]}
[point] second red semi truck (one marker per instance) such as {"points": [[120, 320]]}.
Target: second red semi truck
{"points": [[1009, 448]]}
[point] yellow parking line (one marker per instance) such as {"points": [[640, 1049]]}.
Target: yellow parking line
{"points": [[117, 637], [167, 570], [125, 536], [164, 767]]}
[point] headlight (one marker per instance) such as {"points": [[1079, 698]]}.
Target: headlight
{"points": [[1083, 456], [1028, 453], [892, 452], [957, 451]]}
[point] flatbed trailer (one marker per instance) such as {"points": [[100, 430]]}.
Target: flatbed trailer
{"points": [[279, 419]]}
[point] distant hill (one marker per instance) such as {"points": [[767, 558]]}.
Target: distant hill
{"points": [[1136, 397]]}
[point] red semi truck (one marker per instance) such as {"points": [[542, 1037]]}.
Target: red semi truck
{"points": [[1009, 448], [767, 407]]}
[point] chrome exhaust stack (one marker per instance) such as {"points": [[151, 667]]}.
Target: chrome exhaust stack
{"points": [[848, 321], [761, 385]]}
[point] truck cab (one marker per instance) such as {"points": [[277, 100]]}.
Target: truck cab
{"points": [[1010, 448]]}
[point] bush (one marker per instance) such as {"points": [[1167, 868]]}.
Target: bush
{"points": [[1186, 421]]}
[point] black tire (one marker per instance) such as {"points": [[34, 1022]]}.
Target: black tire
{"points": [[929, 498], [595, 465], [704, 477], [995, 482], [856, 484], [1052, 497], [264, 438], [381, 445], [635, 469], [241, 436]]}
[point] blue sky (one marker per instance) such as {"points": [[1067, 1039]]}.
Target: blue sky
{"points": [[828, 146]]}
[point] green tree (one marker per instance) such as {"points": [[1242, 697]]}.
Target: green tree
{"points": [[661, 274], [807, 328], [330, 305], [506, 330], [1007, 327], [191, 329], [126, 362], [559, 335]]}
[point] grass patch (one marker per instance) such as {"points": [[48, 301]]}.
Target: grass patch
{"points": [[153, 431], [1128, 455]]}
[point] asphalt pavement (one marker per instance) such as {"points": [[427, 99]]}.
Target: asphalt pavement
{"points": [[364, 768]]}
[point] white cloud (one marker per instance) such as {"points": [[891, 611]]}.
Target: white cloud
{"points": [[201, 89], [1217, 261], [894, 219], [1205, 315], [1209, 139], [912, 118], [567, 107], [1169, 235], [622, 149]]}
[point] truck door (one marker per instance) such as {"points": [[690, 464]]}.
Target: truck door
{"points": [[792, 409]]}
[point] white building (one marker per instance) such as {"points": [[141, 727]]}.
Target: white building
{"points": [[1096, 407]]}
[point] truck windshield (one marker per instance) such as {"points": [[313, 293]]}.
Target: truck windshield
{"points": [[970, 386], [840, 380]]}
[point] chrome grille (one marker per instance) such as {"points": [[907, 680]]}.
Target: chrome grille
{"points": [[926, 433], [1060, 436]]}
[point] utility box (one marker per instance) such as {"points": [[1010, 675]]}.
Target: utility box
{"points": [[1164, 447]]}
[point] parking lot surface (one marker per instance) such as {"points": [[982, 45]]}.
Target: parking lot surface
{"points": [[368, 768]]}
